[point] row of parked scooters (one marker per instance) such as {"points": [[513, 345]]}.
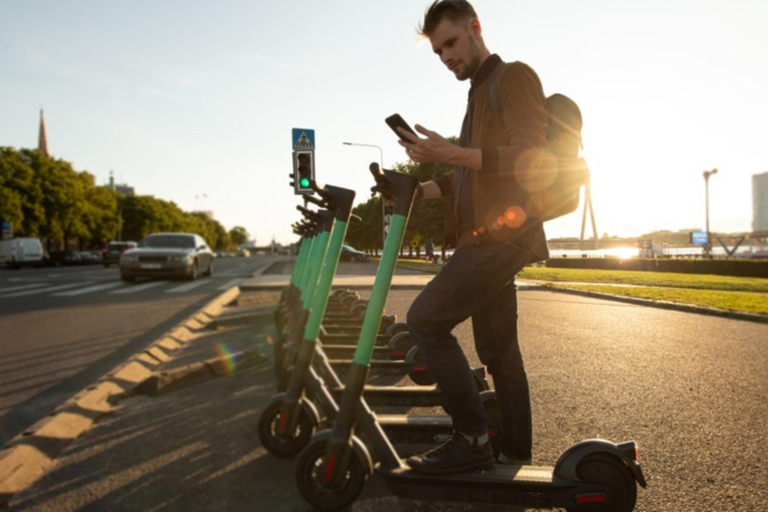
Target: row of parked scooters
{"points": [[330, 341]]}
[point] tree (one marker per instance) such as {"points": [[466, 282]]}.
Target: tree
{"points": [[238, 235]]}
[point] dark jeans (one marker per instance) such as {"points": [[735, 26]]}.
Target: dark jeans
{"points": [[477, 282]]}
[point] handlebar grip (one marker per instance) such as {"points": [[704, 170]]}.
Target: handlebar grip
{"points": [[319, 190], [307, 212], [315, 200], [376, 170]]}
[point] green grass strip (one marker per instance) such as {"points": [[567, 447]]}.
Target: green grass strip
{"points": [[637, 278], [744, 302]]}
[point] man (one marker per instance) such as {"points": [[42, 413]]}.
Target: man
{"points": [[499, 154], [429, 249]]}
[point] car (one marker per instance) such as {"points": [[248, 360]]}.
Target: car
{"points": [[184, 255], [112, 252], [349, 253], [63, 258], [89, 257], [18, 252]]}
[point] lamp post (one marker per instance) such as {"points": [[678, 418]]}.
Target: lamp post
{"points": [[383, 207], [708, 246]]}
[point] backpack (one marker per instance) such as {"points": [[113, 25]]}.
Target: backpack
{"points": [[564, 123]]}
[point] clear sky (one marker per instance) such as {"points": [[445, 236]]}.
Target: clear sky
{"points": [[194, 101]]}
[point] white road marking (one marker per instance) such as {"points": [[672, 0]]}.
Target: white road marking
{"points": [[230, 284], [186, 287], [90, 289], [137, 288], [45, 290], [23, 287]]}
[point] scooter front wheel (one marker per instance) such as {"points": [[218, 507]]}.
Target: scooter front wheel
{"points": [[310, 476], [290, 443], [608, 470]]}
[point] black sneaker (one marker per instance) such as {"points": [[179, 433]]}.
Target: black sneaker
{"points": [[457, 455]]}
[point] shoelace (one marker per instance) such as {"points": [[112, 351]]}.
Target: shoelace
{"points": [[445, 446]]}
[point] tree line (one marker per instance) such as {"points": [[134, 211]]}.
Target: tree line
{"points": [[427, 218], [47, 198]]}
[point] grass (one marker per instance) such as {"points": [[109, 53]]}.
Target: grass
{"points": [[740, 294]]}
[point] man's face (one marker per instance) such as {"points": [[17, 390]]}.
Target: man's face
{"points": [[458, 46]]}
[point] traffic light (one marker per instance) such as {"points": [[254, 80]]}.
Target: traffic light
{"points": [[303, 171]]}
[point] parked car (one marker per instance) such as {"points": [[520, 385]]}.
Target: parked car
{"points": [[349, 253], [184, 255], [63, 258], [89, 257], [112, 252], [20, 252]]}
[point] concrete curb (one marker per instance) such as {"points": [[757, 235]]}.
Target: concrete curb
{"points": [[27, 456], [197, 373]]}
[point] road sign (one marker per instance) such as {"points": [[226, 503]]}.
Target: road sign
{"points": [[303, 139], [6, 230]]}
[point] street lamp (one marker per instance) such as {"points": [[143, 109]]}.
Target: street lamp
{"points": [[708, 246], [383, 207]]}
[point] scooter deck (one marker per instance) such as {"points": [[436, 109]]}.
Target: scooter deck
{"points": [[403, 428], [533, 486], [399, 396], [341, 351]]}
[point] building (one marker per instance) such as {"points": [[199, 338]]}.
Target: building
{"points": [[123, 189], [42, 138], [760, 203]]}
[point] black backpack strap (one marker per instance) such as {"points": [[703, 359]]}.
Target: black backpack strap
{"points": [[493, 84]]}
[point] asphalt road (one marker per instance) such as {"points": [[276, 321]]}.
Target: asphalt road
{"points": [[63, 328], [690, 389]]}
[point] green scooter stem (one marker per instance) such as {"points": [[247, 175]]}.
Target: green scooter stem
{"points": [[339, 450]]}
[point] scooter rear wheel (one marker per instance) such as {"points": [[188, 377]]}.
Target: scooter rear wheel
{"points": [[283, 445], [608, 470], [419, 372], [400, 344], [310, 472]]}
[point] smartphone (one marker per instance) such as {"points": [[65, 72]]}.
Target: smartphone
{"points": [[395, 121]]}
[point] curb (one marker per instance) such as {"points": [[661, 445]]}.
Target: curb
{"points": [[27, 456], [196, 373]]}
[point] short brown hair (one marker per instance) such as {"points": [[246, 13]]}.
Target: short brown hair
{"points": [[454, 10]]}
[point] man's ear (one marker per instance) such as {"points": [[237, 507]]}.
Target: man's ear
{"points": [[476, 28]]}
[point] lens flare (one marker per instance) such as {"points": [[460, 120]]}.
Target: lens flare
{"points": [[231, 358]]}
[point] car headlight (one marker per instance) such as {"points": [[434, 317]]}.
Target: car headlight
{"points": [[128, 258], [185, 257]]}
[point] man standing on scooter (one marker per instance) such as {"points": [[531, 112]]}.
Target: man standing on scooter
{"points": [[499, 153]]}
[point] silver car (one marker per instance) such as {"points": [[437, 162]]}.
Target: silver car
{"points": [[185, 255]]}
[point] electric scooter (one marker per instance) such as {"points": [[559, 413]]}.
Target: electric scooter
{"points": [[593, 475], [399, 347], [286, 425]]}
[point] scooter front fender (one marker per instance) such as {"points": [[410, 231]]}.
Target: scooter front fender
{"points": [[568, 462]]}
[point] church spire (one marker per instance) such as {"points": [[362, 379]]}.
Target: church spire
{"points": [[42, 141]]}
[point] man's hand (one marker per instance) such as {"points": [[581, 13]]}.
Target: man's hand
{"points": [[435, 148]]}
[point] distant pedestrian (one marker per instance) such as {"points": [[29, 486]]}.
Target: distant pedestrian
{"points": [[429, 248]]}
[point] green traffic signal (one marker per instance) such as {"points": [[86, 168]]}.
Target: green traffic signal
{"points": [[304, 171]]}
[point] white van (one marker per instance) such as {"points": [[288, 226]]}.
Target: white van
{"points": [[20, 252]]}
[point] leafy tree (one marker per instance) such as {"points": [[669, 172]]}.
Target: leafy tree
{"points": [[238, 235]]}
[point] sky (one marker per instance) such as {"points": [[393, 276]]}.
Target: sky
{"points": [[194, 101]]}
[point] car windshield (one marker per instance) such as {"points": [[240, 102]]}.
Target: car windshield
{"points": [[169, 241]]}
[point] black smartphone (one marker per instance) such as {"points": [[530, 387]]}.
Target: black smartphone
{"points": [[395, 121]]}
